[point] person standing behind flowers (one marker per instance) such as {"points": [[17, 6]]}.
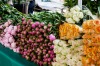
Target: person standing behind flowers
{"points": [[31, 6]]}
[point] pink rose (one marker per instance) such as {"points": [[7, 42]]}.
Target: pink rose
{"points": [[15, 28], [7, 35], [6, 29], [13, 45], [11, 40], [6, 24], [7, 45], [13, 32]]}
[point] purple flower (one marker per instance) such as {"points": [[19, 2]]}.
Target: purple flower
{"points": [[52, 37]]}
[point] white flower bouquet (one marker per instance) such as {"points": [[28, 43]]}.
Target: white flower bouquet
{"points": [[73, 15], [68, 54]]}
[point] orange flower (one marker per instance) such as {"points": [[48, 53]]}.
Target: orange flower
{"points": [[96, 22], [85, 25], [91, 40], [87, 36], [68, 31], [96, 39], [97, 29]]}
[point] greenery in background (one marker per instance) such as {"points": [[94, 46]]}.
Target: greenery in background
{"points": [[4, 1], [92, 5], [70, 3], [9, 12], [15, 1], [49, 18]]}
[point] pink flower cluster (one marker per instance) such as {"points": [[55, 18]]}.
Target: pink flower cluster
{"points": [[52, 37], [7, 36]]}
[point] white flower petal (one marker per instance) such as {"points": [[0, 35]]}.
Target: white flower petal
{"points": [[70, 20]]}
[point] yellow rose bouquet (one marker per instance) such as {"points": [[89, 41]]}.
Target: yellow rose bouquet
{"points": [[69, 31]]}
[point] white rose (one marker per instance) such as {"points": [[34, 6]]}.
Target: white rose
{"points": [[56, 41], [79, 63], [63, 64], [68, 56], [55, 63], [74, 13], [56, 47], [70, 20], [76, 18], [60, 49], [58, 59], [64, 45], [58, 55], [64, 52], [70, 41], [77, 8], [80, 14], [55, 51], [66, 14], [69, 15], [61, 43], [63, 57], [72, 9]]}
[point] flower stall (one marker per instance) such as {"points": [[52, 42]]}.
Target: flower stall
{"points": [[46, 38]]}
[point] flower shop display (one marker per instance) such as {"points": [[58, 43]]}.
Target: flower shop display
{"points": [[69, 31], [68, 54], [73, 15], [52, 39], [91, 40], [35, 43]]}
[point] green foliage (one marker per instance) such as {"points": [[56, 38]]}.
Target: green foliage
{"points": [[4, 1], [92, 5], [9, 12], [70, 3], [49, 18]]}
